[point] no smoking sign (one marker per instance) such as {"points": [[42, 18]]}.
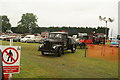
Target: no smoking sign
{"points": [[11, 58]]}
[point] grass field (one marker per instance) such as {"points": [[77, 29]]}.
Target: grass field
{"points": [[70, 65]]}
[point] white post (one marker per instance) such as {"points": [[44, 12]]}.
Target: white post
{"points": [[11, 42], [10, 77]]}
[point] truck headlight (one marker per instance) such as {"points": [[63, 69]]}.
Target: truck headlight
{"points": [[54, 47], [41, 45]]}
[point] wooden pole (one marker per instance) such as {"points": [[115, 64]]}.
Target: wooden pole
{"points": [[85, 51]]}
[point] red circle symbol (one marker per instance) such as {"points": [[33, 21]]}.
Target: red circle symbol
{"points": [[14, 60]]}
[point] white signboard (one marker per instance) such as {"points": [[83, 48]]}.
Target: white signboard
{"points": [[11, 58]]}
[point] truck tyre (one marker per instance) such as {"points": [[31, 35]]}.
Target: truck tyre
{"points": [[63, 51], [73, 49], [59, 52]]}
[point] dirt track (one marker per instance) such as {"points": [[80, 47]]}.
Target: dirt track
{"points": [[103, 52]]}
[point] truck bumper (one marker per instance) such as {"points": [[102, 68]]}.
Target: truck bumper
{"points": [[51, 51]]}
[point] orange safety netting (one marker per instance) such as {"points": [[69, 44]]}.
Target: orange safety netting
{"points": [[103, 52]]}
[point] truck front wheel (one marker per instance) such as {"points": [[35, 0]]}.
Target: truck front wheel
{"points": [[59, 52], [43, 53], [73, 49]]}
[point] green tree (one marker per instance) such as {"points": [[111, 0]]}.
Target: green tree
{"points": [[27, 23], [5, 23]]}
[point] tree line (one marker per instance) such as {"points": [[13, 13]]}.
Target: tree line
{"points": [[28, 24], [70, 30]]}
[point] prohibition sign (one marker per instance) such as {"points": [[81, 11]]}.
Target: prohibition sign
{"points": [[14, 60]]}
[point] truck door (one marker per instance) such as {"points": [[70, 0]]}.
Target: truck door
{"points": [[64, 37]]}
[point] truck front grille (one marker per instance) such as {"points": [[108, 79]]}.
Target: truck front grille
{"points": [[48, 45]]}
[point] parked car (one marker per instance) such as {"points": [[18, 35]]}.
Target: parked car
{"points": [[42, 40], [3, 37], [9, 37], [31, 39], [36, 39], [27, 38], [118, 37], [17, 39], [114, 42], [57, 42]]}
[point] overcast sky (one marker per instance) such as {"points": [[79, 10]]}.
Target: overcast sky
{"points": [[80, 13]]}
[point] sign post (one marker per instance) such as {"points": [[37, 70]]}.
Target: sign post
{"points": [[11, 42], [11, 59]]}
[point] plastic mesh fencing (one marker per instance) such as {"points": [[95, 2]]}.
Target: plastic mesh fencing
{"points": [[103, 52]]}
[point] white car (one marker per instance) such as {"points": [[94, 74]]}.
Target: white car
{"points": [[27, 38], [3, 37], [31, 39], [36, 39]]}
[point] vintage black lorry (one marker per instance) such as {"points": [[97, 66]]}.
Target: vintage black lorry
{"points": [[57, 42]]}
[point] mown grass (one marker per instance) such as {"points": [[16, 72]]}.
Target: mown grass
{"points": [[70, 65]]}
